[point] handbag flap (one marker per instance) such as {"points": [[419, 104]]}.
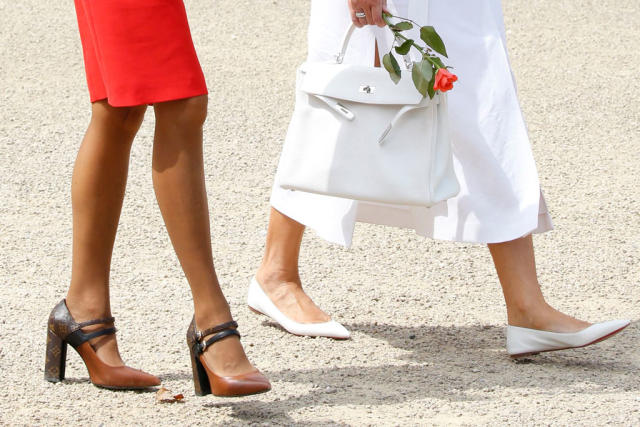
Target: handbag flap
{"points": [[357, 83]]}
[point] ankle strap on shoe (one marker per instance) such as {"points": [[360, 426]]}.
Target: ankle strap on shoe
{"points": [[202, 346], [221, 332], [229, 325], [78, 337], [96, 322]]}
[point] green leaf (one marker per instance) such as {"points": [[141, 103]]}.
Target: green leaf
{"points": [[392, 66], [430, 90], [401, 26], [404, 48], [429, 35], [422, 73], [438, 61], [387, 18]]}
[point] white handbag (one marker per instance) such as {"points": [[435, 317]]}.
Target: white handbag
{"points": [[355, 134]]}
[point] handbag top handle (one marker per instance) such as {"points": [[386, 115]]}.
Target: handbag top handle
{"points": [[345, 44], [347, 36]]}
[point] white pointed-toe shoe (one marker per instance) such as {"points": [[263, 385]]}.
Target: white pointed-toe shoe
{"points": [[523, 342], [259, 302]]}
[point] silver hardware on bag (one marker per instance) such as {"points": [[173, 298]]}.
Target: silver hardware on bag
{"points": [[384, 134], [337, 107], [345, 111], [377, 141], [367, 89]]}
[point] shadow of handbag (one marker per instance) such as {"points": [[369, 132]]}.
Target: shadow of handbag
{"points": [[355, 134]]}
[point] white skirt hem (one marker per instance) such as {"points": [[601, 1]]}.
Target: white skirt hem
{"points": [[338, 226]]}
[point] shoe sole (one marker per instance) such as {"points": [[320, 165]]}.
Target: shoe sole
{"points": [[124, 388], [293, 333], [239, 395], [520, 355]]}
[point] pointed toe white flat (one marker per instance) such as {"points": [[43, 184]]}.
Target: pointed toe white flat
{"points": [[259, 301], [523, 342]]}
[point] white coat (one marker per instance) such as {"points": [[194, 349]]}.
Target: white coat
{"points": [[500, 197]]}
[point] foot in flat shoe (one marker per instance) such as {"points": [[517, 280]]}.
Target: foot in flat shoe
{"points": [[289, 297], [545, 318], [259, 302], [523, 342]]}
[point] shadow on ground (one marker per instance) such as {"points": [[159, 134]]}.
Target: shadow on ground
{"points": [[452, 364]]}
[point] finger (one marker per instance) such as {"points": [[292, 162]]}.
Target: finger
{"points": [[352, 11], [370, 20], [355, 19], [385, 8], [357, 23], [360, 22], [376, 11]]}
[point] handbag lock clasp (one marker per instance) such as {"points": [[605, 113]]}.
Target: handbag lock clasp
{"points": [[367, 89]]}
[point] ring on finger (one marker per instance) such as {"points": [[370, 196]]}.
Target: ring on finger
{"points": [[361, 15]]}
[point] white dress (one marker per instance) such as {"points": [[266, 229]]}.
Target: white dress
{"points": [[500, 197]]}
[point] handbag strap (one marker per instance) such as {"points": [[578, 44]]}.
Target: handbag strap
{"points": [[415, 9], [345, 44], [425, 103]]}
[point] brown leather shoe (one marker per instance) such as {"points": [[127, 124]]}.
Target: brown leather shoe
{"points": [[63, 330], [208, 382]]}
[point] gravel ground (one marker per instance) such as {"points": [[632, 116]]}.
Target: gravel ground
{"points": [[427, 317]]}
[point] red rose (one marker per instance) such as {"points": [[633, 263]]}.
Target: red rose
{"points": [[444, 80]]}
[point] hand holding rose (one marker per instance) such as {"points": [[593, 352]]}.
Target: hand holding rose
{"points": [[372, 9]]}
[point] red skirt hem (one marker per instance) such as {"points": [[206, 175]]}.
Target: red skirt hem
{"points": [[138, 52], [149, 99]]}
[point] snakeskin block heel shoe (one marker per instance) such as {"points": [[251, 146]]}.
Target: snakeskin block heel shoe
{"points": [[63, 330], [205, 380]]}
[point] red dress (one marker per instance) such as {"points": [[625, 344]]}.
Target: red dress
{"points": [[138, 51]]}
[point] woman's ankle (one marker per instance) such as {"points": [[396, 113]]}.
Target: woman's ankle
{"points": [[270, 276], [544, 317], [86, 306], [529, 314], [210, 315]]}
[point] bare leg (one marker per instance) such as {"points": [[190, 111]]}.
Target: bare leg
{"points": [[526, 307], [278, 275], [98, 186], [178, 178]]}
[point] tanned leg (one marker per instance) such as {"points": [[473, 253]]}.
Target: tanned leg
{"points": [[526, 307], [278, 274], [178, 179], [98, 186]]}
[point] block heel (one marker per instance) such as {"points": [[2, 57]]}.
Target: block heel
{"points": [[56, 357], [200, 378]]}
